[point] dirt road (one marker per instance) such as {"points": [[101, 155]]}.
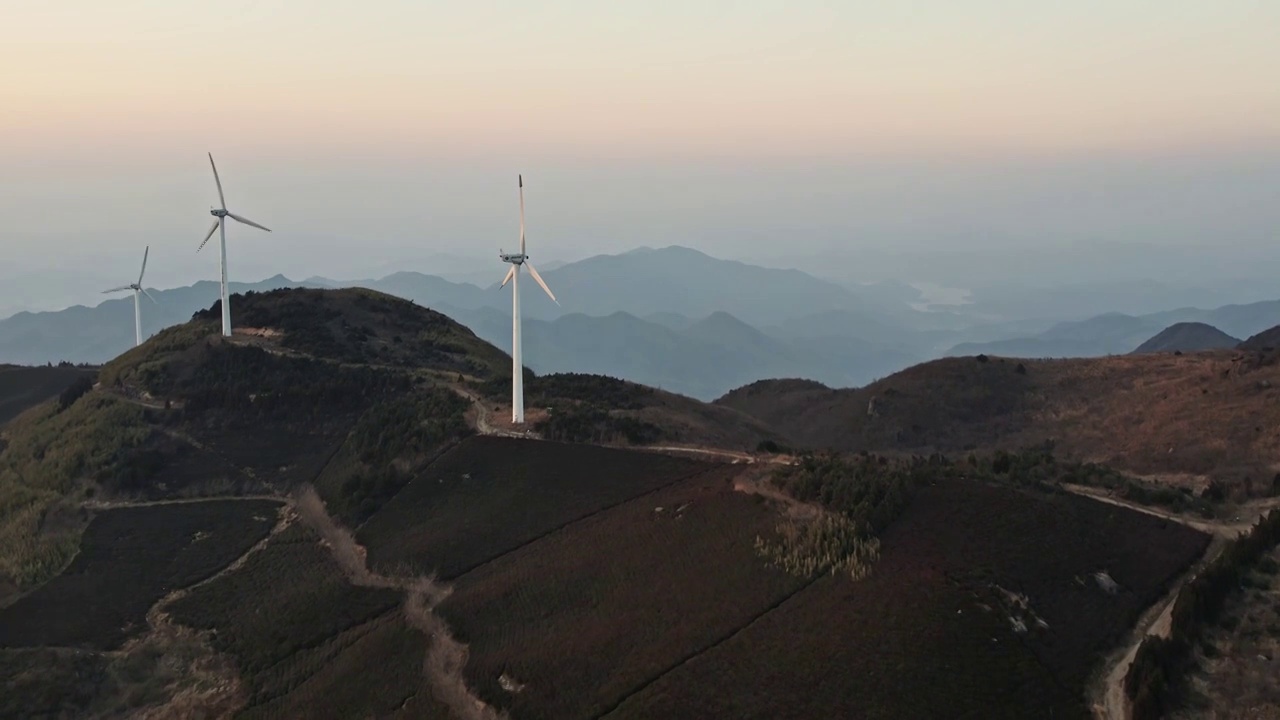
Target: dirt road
{"points": [[1106, 694], [446, 658]]}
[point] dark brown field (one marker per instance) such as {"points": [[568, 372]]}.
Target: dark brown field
{"points": [[491, 495], [927, 634], [588, 614], [130, 558]]}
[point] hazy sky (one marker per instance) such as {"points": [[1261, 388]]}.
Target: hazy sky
{"points": [[371, 134]]}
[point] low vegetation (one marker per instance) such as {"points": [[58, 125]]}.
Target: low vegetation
{"points": [[1156, 680], [584, 423], [364, 327], [932, 632], [289, 598], [388, 445], [52, 460], [370, 670], [829, 543], [521, 489], [869, 491], [129, 558], [591, 613], [585, 408]]}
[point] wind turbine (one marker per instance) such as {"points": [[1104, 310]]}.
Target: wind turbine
{"points": [[517, 261], [137, 291], [221, 224]]}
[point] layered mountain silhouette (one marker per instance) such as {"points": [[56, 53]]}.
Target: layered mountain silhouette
{"points": [[1118, 334], [669, 317], [672, 317]]}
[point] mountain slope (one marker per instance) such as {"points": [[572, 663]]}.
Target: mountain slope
{"points": [[1263, 341], [351, 390], [1208, 414], [1188, 337]]}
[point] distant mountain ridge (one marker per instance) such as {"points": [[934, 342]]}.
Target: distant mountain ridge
{"points": [[669, 317], [700, 338], [1118, 334]]}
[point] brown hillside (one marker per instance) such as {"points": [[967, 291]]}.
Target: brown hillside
{"points": [[1207, 414], [1264, 341]]}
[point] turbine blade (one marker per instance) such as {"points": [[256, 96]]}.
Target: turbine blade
{"points": [[510, 274], [247, 221], [145, 253], [212, 230], [144, 292], [125, 287], [520, 179], [218, 180], [538, 279]]}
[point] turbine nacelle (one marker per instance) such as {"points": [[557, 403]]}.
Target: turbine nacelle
{"points": [[513, 259], [218, 212]]}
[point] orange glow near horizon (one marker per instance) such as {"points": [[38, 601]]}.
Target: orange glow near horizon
{"points": [[768, 79]]}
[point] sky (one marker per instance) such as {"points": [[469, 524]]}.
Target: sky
{"points": [[385, 133]]}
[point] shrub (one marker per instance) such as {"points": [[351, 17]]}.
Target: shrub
{"points": [[830, 543]]}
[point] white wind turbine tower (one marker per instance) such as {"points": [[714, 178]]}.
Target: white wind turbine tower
{"points": [[138, 290], [517, 261], [220, 223]]}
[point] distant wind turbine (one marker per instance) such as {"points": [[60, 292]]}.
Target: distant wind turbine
{"points": [[138, 290], [221, 224], [513, 276]]}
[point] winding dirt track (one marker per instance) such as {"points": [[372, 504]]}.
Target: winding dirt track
{"points": [[223, 693], [446, 657], [1106, 694]]}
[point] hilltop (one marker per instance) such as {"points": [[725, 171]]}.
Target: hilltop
{"points": [[1188, 337], [1183, 417], [333, 380], [246, 525]]}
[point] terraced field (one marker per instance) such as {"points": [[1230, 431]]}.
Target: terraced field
{"points": [[932, 632], [490, 495], [287, 615], [591, 613], [129, 558]]}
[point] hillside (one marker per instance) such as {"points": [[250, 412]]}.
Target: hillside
{"points": [[1266, 340], [1188, 337], [245, 525], [1188, 417], [336, 380]]}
